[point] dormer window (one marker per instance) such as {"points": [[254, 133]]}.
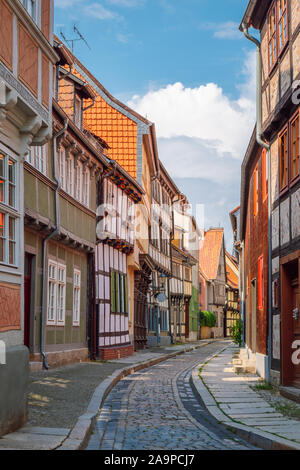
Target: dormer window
{"points": [[78, 111]]}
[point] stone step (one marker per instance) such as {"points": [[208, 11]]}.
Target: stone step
{"points": [[237, 362]]}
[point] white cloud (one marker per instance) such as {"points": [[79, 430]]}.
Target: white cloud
{"points": [[204, 113], [99, 11], [228, 30], [123, 38], [66, 3], [126, 3], [225, 30], [202, 138]]}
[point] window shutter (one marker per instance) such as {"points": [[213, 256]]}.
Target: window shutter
{"points": [[126, 294], [117, 306], [112, 291]]}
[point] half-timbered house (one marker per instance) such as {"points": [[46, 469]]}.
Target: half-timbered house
{"points": [[273, 286], [26, 64]]}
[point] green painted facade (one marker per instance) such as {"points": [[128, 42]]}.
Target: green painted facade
{"points": [[194, 308], [39, 198]]}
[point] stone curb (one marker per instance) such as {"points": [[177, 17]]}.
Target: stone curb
{"points": [[79, 435], [264, 440]]}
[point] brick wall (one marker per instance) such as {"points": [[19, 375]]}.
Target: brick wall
{"points": [[115, 352]]}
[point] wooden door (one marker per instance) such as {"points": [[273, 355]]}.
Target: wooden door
{"points": [[27, 297], [296, 328], [140, 311]]}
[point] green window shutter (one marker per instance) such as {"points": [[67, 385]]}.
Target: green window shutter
{"points": [[117, 293], [126, 294], [113, 291]]}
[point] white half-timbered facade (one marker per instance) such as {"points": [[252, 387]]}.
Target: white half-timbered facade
{"points": [[117, 196], [158, 305]]}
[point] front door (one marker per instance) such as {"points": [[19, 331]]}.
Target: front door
{"points": [[27, 297], [296, 328]]}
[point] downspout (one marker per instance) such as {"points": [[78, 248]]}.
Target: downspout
{"points": [[266, 146], [45, 241]]}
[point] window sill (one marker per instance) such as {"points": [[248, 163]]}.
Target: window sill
{"points": [[294, 181]]}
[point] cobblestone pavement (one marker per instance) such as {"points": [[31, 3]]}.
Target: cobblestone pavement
{"points": [[156, 409]]}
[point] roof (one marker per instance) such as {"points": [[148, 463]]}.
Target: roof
{"points": [[255, 13], [231, 270], [209, 252], [109, 164], [114, 122]]}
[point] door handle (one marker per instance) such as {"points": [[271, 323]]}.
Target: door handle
{"points": [[296, 314]]}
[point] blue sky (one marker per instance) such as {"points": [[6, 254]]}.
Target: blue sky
{"points": [[185, 65]]}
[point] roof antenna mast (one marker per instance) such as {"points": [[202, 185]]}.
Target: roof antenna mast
{"points": [[71, 41]]}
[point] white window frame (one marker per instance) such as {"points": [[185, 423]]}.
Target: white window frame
{"points": [[61, 283], [70, 175], [86, 187], [76, 296], [37, 157], [10, 211], [62, 168], [52, 281], [27, 4], [78, 191], [59, 301]]}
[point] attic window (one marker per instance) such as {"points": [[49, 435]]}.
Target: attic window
{"points": [[78, 111]]}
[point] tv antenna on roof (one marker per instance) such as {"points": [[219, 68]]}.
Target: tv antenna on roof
{"points": [[71, 41]]}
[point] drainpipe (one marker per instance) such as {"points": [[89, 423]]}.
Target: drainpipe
{"points": [[45, 241], [266, 146]]}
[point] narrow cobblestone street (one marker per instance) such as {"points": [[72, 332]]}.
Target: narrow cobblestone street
{"points": [[156, 409]]}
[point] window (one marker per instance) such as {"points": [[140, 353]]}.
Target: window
{"points": [[51, 314], [76, 182], [276, 293], [283, 159], [86, 187], [295, 150], [260, 282], [282, 22], [61, 294], [272, 36], [255, 192], [76, 298], [30, 6], [78, 111], [8, 220], [118, 291], [265, 174], [278, 29], [78, 192], [37, 157], [62, 168], [56, 294], [70, 175]]}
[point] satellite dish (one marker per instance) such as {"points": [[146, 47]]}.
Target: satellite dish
{"points": [[161, 297]]}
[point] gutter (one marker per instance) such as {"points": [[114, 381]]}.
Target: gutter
{"points": [[45, 241], [266, 146]]}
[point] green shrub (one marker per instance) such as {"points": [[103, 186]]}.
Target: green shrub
{"points": [[208, 319], [237, 332]]}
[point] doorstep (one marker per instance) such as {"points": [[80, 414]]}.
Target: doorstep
{"points": [[292, 393]]}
